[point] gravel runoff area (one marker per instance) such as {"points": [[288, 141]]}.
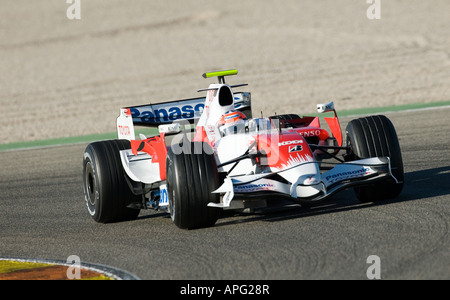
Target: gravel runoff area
{"points": [[62, 77]]}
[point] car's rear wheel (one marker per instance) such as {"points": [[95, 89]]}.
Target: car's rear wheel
{"points": [[191, 179], [106, 191], [375, 136]]}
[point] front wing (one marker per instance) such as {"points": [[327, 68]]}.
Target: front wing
{"points": [[308, 188]]}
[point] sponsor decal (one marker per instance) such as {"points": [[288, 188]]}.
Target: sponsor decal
{"points": [[349, 174], [254, 187], [163, 196], [124, 130], [308, 133], [285, 143], [295, 148], [167, 114], [181, 109]]}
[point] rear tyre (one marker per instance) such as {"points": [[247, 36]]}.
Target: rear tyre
{"points": [[375, 136], [191, 179], [106, 191]]}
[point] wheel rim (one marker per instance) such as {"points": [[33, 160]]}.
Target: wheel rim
{"points": [[90, 188]]}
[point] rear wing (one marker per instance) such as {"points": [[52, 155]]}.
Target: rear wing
{"points": [[153, 115], [188, 109]]}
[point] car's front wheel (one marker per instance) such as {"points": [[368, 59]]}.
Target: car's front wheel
{"points": [[375, 136], [191, 179]]}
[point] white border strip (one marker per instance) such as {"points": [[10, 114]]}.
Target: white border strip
{"points": [[108, 271]]}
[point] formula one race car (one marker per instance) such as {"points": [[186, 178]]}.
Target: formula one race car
{"points": [[210, 155]]}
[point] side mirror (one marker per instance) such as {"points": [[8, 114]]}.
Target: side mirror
{"points": [[325, 107]]}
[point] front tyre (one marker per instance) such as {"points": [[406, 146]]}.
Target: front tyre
{"points": [[191, 179], [105, 188], [375, 136]]}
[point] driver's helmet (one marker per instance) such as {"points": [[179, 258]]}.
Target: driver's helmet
{"points": [[232, 122]]}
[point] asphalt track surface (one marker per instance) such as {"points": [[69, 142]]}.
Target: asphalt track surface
{"points": [[43, 215]]}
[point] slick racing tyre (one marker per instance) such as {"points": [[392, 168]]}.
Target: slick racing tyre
{"points": [[106, 191], [192, 176], [375, 136]]}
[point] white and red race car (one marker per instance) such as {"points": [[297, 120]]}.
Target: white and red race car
{"points": [[210, 155]]}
